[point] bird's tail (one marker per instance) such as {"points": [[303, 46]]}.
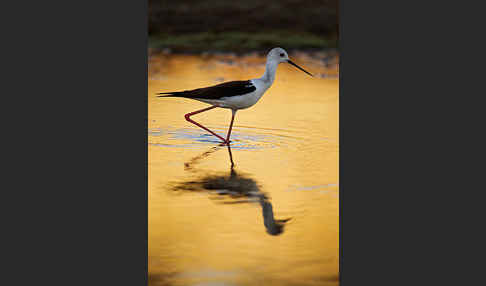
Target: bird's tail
{"points": [[168, 94]]}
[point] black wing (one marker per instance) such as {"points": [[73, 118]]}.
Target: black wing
{"points": [[226, 89]]}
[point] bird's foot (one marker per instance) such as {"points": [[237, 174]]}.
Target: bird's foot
{"points": [[225, 142]]}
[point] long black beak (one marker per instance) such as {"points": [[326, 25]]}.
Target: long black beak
{"points": [[295, 65]]}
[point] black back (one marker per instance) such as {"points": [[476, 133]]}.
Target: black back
{"points": [[226, 89]]}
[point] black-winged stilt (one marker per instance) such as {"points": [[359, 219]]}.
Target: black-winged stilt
{"points": [[235, 95]]}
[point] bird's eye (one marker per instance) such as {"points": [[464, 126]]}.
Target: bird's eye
{"points": [[282, 54]]}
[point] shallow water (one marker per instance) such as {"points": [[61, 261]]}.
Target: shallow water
{"points": [[273, 218]]}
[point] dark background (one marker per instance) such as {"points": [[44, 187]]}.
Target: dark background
{"points": [[221, 25]]}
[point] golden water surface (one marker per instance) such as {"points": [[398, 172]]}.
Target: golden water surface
{"points": [[273, 218]]}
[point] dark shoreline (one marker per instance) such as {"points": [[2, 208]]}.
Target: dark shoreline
{"points": [[238, 42], [168, 51]]}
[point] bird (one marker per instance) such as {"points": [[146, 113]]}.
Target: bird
{"points": [[235, 95]]}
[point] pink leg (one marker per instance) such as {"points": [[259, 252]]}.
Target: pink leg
{"points": [[188, 118], [233, 112]]}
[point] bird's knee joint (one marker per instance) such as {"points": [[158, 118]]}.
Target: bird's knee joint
{"points": [[188, 117]]}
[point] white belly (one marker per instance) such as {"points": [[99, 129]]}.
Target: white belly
{"points": [[239, 101]]}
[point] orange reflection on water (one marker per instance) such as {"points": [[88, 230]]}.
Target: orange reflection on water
{"points": [[273, 218]]}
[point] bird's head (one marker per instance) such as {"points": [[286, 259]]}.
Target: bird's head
{"points": [[279, 55]]}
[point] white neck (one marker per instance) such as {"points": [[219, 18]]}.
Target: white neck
{"points": [[270, 70]]}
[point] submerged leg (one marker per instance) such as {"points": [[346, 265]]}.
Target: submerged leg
{"points": [[231, 156], [233, 112], [188, 118]]}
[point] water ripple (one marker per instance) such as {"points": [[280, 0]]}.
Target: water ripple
{"points": [[242, 137]]}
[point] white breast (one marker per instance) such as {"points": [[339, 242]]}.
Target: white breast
{"points": [[245, 100]]}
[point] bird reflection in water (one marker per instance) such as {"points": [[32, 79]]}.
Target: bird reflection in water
{"points": [[234, 188]]}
